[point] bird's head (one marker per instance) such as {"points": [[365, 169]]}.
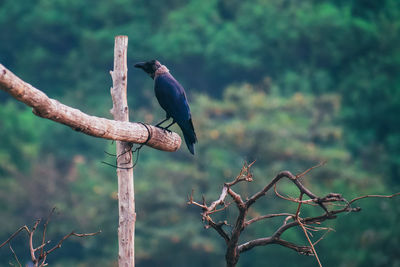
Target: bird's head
{"points": [[149, 67]]}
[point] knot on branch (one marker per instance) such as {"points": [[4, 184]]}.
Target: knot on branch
{"points": [[356, 209], [331, 197], [307, 251]]}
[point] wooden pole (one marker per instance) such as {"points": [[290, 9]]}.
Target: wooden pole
{"points": [[126, 195]]}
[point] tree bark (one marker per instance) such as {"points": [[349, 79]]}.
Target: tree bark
{"points": [[126, 195], [46, 107]]}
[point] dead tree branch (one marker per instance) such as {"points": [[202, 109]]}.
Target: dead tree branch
{"points": [[48, 108], [39, 259], [336, 203], [15, 234], [15, 255]]}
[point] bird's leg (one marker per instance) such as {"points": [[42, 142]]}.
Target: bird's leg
{"points": [[169, 125], [161, 122]]}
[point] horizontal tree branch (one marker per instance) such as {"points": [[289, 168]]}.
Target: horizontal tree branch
{"points": [[48, 108], [267, 216], [306, 250], [58, 245], [292, 178], [373, 196]]}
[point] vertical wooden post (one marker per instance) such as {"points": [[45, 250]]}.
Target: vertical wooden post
{"points": [[126, 195]]}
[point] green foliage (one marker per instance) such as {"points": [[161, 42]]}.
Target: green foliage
{"points": [[286, 83], [280, 133], [20, 133]]}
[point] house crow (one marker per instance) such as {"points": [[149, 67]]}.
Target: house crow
{"points": [[172, 98]]}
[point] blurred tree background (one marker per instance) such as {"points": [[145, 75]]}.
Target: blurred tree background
{"points": [[287, 83]]}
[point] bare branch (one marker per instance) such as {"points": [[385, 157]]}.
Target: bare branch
{"points": [[256, 196], [310, 169], [308, 239], [41, 260], [244, 175], [46, 107], [66, 237], [44, 232], [212, 208], [41, 247], [207, 210], [308, 225], [191, 201], [259, 218], [295, 200], [218, 228], [237, 199], [299, 206], [306, 250], [31, 247], [226, 205], [220, 200], [322, 237], [16, 233], [372, 196], [15, 255]]}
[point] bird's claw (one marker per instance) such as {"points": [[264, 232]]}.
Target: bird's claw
{"points": [[164, 129]]}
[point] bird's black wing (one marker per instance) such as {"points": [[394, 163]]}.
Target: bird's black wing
{"points": [[172, 98]]}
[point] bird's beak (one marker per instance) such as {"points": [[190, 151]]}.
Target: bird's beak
{"points": [[140, 65]]}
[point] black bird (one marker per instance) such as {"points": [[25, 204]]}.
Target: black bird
{"points": [[172, 98]]}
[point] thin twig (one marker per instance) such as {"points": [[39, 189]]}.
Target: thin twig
{"points": [[304, 228], [66, 237], [15, 255], [310, 169], [16, 233], [377, 196], [42, 246], [310, 202], [244, 174], [309, 241], [324, 234], [256, 219], [44, 232], [299, 206], [31, 247]]}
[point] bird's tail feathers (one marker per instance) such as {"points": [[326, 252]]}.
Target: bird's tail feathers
{"points": [[188, 134]]}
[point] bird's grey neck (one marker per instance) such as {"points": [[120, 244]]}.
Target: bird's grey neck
{"points": [[161, 70]]}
